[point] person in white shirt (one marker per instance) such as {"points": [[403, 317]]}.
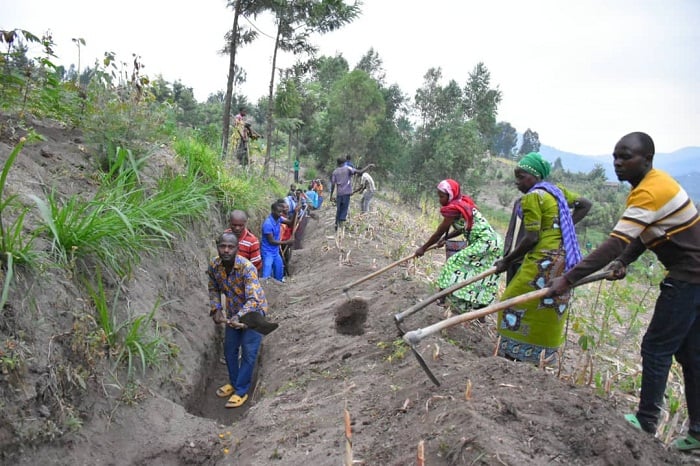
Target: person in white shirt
{"points": [[367, 188]]}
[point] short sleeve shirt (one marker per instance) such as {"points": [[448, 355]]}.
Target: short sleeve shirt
{"points": [[342, 178], [270, 225]]}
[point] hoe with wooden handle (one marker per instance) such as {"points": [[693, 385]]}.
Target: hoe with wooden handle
{"points": [[382, 270], [398, 318], [416, 336]]}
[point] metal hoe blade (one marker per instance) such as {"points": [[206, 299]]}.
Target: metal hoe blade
{"points": [[424, 366]]}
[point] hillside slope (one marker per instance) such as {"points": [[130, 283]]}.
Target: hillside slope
{"points": [[309, 371]]}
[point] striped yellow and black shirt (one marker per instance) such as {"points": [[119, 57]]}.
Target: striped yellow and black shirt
{"points": [[660, 213], [658, 216]]}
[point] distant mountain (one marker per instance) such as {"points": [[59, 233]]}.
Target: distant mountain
{"points": [[691, 184], [683, 164]]}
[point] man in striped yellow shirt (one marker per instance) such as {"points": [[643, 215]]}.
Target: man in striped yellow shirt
{"points": [[659, 216]]}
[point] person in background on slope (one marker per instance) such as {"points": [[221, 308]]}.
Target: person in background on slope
{"points": [[341, 184], [367, 188], [302, 219], [348, 161], [296, 170], [533, 331], [318, 187], [312, 196], [273, 265], [248, 244], [245, 134], [661, 217], [237, 279], [462, 217], [285, 235]]}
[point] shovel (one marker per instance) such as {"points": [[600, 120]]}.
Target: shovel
{"points": [[416, 336], [382, 270], [398, 318], [256, 321]]}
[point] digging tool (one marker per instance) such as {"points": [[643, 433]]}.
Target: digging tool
{"points": [[382, 270], [398, 318], [416, 336]]}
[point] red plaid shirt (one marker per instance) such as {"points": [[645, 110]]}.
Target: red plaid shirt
{"points": [[249, 247]]}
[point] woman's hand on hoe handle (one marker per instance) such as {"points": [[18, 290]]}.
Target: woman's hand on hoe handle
{"points": [[501, 265], [616, 271]]}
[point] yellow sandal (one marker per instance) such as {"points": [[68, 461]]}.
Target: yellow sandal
{"points": [[224, 390], [235, 401]]}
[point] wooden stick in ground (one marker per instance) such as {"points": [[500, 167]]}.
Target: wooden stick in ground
{"points": [[382, 270], [447, 291], [297, 219], [348, 438], [414, 337]]}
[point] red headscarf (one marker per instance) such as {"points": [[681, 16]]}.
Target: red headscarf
{"points": [[458, 205]]}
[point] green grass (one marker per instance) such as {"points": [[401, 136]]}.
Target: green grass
{"points": [[136, 341], [238, 190], [143, 343], [15, 246], [123, 221]]}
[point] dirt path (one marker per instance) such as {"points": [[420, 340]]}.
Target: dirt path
{"points": [[515, 414]]}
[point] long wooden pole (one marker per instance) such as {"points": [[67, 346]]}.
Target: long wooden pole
{"points": [[447, 291], [382, 270], [414, 337]]}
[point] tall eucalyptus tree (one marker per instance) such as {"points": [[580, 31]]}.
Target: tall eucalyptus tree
{"points": [[356, 110], [236, 37], [531, 142], [288, 110], [481, 101], [297, 21]]}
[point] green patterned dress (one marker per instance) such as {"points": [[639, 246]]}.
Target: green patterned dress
{"points": [[484, 247], [529, 328]]}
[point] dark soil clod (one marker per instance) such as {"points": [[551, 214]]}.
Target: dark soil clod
{"points": [[351, 316]]}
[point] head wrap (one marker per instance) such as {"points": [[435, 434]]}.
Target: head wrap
{"points": [[534, 164], [458, 205], [449, 187]]}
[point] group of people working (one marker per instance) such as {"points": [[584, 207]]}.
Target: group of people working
{"points": [[541, 251], [235, 288], [342, 185]]}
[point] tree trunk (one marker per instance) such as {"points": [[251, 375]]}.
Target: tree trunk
{"points": [[298, 145], [289, 149], [226, 126], [268, 131]]}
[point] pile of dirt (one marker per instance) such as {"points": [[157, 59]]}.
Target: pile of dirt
{"points": [[331, 353]]}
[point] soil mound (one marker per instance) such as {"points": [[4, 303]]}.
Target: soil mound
{"points": [[351, 316]]}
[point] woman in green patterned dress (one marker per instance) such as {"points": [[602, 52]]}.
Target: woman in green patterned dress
{"points": [[482, 250], [548, 247]]}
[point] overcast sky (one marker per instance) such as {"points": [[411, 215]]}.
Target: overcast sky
{"points": [[581, 74]]}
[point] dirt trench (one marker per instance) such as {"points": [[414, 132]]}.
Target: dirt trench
{"points": [[203, 401]]}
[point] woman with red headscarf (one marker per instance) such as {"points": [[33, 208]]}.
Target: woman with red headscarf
{"points": [[483, 248]]}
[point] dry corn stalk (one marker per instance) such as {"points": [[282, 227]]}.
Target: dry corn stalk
{"points": [[436, 352], [468, 390], [348, 439]]}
